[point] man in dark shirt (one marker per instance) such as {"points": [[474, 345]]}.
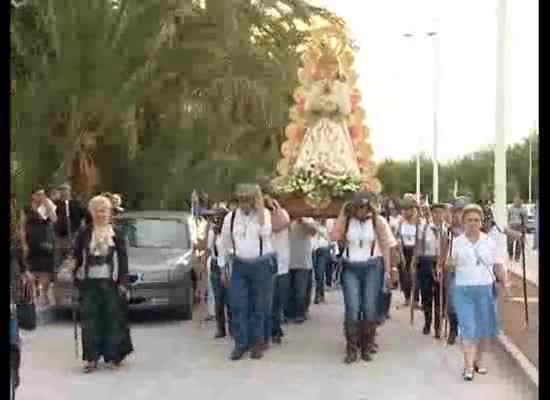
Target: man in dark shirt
{"points": [[70, 215]]}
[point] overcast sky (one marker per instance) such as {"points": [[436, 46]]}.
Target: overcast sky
{"points": [[396, 73]]}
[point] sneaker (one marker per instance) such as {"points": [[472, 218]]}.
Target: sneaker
{"points": [[480, 370], [468, 375]]}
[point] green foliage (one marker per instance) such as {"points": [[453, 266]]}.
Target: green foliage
{"points": [[474, 173], [210, 87]]}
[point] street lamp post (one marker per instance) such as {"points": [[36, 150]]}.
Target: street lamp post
{"points": [[502, 114], [435, 159], [411, 36], [531, 137]]}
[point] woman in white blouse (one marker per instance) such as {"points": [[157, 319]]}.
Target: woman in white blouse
{"points": [[366, 239], [472, 294]]}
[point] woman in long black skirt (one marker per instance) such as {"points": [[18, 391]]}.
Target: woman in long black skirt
{"points": [[101, 274]]}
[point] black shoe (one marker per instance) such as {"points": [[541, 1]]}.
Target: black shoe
{"points": [[237, 354], [276, 339], [256, 353], [219, 335], [426, 330], [437, 334], [317, 299], [452, 339], [300, 320]]}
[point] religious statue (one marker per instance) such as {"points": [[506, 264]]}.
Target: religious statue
{"points": [[327, 153]]}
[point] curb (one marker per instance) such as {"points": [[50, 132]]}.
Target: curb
{"points": [[527, 366]]}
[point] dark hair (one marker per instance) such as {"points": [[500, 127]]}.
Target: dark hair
{"points": [[37, 189]]}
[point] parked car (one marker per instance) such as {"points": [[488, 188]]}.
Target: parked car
{"points": [[160, 263]]}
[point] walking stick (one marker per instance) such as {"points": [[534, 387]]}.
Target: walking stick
{"points": [[440, 284], [413, 265], [445, 285], [75, 324], [523, 228]]}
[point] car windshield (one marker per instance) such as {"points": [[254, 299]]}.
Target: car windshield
{"points": [[155, 233]]}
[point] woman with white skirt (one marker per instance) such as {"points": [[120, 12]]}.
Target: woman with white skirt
{"points": [[473, 293]]}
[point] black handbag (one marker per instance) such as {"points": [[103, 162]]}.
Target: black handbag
{"points": [[25, 307]]}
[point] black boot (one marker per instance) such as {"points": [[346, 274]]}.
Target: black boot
{"points": [[427, 322], [318, 296], [351, 331], [453, 331], [387, 304], [372, 345], [237, 354], [220, 322], [257, 351], [437, 325]]}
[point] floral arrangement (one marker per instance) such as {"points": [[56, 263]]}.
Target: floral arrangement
{"points": [[318, 185]]}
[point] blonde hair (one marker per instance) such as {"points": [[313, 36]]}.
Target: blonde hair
{"points": [[99, 201], [472, 208]]}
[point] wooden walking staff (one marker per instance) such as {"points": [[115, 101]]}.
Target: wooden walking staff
{"points": [[74, 291], [447, 283], [442, 260], [413, 265], [200, 258], [523, 230]]}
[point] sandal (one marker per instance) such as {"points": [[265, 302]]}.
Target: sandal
{"points": [[468, 375], [480, 370]]}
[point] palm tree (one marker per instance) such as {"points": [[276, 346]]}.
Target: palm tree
{"points": [[141, 93]]}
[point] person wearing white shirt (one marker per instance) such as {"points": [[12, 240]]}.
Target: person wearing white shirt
{"points": [[428, 251], [280, 226], [321, 259], [300, 266], [363, 272], [217, 279], [474, 300], [246, 238], [407, 237]]}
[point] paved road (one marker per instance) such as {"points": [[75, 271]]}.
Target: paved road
{"points": [[177, 360]]}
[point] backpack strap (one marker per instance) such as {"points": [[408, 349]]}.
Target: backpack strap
{"points": [[346, 236], [373, 245], [231, 226]]}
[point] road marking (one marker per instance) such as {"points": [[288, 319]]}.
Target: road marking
{"points": [[527, 366]]}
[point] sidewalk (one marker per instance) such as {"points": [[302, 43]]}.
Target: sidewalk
{"points": [[512, 317], [520, 340]]}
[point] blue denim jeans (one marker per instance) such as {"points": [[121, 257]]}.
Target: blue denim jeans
{"points": [[299, 281], [250, 299], [320, 266], [362, 286]]}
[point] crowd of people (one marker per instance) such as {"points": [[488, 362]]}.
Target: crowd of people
{"points": [[266, 268], [446, 259]]}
